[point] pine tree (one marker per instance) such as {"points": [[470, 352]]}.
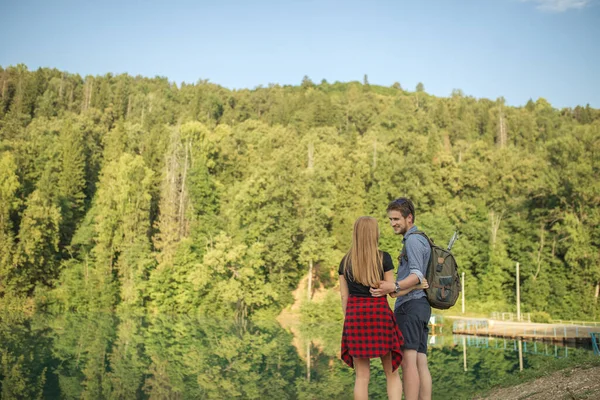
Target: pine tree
{"points": [[9, 202]]}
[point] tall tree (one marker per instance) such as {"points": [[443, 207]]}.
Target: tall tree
{"points": [[9, 202]]}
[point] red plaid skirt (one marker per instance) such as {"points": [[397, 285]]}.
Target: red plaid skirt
{"points": [[370, 330]]}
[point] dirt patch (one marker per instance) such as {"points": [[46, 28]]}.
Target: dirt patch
{"points": [[289, 318], [572, 383]]}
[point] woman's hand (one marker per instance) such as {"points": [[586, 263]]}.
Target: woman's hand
{"points": [[384, 288], [423, 285]]}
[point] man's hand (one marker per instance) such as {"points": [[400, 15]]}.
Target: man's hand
{"points": [[384, 288]]}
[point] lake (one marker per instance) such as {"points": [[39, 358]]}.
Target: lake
{"points": [[108, 356]]}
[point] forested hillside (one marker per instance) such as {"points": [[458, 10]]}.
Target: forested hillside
{"points": [[140, 194]]}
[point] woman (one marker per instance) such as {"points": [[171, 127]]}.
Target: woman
{"points": [[370, 328]]}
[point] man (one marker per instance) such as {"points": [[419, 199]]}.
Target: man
{"points": [[412, 310]]}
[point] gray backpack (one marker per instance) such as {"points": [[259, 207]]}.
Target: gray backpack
{"points": [[442, 275]]}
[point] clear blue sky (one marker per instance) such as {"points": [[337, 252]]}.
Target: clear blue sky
{"points": [[518, 49]]}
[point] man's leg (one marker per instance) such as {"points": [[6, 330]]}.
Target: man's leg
{"points": [[425, 389], [424, 377], [361, 380], [412, 330], [412, 318], [410, 375]]}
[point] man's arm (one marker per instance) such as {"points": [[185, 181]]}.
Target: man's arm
{"points": [[411, 280], [403, 292], [415, 252], [386, 287]]}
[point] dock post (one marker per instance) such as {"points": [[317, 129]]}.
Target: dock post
{"points": [[520, 355], [518, 295], [464, 353], [463, 294], [308, 362]]}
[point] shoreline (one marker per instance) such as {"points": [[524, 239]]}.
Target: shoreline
{"points": [[580, 382]]}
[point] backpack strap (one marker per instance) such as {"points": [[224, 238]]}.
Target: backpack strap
{"points": [[403, 251], [440, 261], [425, 236]]}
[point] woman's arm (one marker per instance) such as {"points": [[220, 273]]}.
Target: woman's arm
{"points": [[344, 292], [388, 276], [422, 285]]}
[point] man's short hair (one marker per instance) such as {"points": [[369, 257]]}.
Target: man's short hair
{"points": [[404, 205]]}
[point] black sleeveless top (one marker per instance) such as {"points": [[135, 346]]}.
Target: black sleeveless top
{"points": [[358, 289]]}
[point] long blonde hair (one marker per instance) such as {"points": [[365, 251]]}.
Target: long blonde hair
{"points": [[364, 257]]}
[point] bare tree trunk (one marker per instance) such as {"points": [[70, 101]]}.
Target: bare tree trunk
{"points": [[168, 224], [502, 134], [539, 256], [89, 99], [18, 99], [308, 361], [71, 97], [62, 83], [128, 107], [87, 94], [495, 221], [597, 293], [182, 193], [4, 84], [241, 312], [84, 100], [310, 274]]}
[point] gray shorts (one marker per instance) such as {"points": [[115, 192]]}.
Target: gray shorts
{"points": [[412, 318]]}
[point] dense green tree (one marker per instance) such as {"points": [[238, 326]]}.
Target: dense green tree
{"points": [[9, 202], [122, 224], [37, 256], [129, 189], [71, 181]]}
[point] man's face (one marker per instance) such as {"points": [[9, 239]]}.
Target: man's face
{"points": [[399, 224]]}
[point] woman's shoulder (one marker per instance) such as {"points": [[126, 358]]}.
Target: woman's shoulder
{"points": [[384, 253], [387, 261], [342, 266], [385, 256]]}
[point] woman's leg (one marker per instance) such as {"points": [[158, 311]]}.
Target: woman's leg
{"points": [[394, 384], [361, 383]]}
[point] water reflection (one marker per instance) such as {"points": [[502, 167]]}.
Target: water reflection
{"points": [[164, 357]]}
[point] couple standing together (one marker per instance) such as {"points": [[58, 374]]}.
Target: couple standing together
{"points": [[371, 330]]}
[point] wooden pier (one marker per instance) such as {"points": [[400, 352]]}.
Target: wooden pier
{"points": [[525, 330]]}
